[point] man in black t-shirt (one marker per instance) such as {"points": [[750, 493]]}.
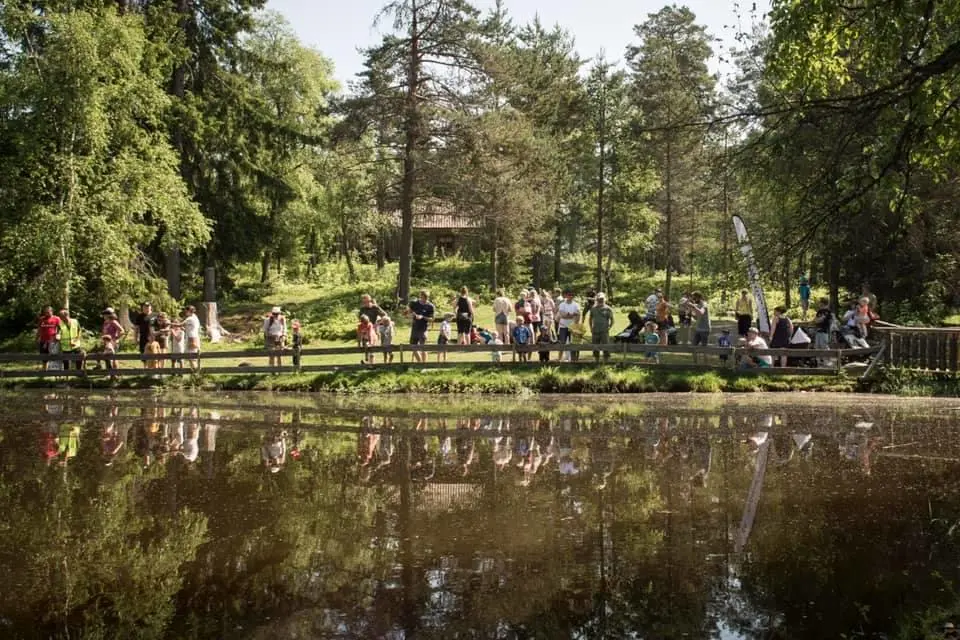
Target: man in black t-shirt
{"points": [[823, 322], [146, 324], [422, 311]]}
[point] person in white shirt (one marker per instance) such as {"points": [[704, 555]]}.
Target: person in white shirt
{"points": [[651, 304], [191, 333], [569, 314], [750, 360], [274, 334], [502, 308]]}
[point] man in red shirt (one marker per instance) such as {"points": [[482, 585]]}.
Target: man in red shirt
{"points": [[47, 331]]}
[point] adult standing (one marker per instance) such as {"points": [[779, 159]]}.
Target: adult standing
{"points": [[464, 310], [370, 309], [191, 335], [146, 323], [549, 312], [569, 314], [650, 304], [601, 321], [501, 315], [663, 318], [782, 332], [744, 312], [536, 309], [422, 311], [274, 334], [700, 310], [70, 339], [48, 328], [804, 291]]}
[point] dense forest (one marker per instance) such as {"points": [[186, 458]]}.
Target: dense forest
{"points": [[144, 141]]}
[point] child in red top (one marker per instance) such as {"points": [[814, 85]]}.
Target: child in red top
{"points": [[366, 337]]}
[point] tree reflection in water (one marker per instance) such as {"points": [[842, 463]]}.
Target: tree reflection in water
{"points": [[133, 518]]}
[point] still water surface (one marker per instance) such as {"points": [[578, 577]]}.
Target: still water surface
{"points": [[139, 516]]}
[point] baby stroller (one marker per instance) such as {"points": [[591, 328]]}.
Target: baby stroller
{"points": [[632, 333]]}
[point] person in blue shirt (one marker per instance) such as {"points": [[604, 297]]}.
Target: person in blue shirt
{"points": [[804, 296], [724, 341], [522, 336]]}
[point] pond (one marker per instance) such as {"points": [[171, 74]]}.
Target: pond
{"points": [[262, 516]]}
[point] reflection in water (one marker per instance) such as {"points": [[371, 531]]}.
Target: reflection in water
{"points": [[141, 519]]}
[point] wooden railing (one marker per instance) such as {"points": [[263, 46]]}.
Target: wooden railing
{"points": [[673, 356], [922, 348]]}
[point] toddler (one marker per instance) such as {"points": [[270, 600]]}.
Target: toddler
{"points": [[545, 339], [297, 343], [650, 337], [366, 338], [176, 345], [521, 338], [724, 342], [444, 337], [385, 330]]}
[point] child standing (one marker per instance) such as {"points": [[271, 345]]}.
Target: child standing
{"points": [[578, 333], [366, 338], [651, 336], [109, 349], [724, 342], [177, 344], [545, 339], [385, 330], [297, 343], [444, 338], [521, 338]]}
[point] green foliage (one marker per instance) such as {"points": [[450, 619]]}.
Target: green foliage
{"points": [[92, 179]]}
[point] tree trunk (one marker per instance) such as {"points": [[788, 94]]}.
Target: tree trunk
{"points": [[668, 220], [557, 251], [834, 277], [495, 260], [601, 179], [412, 135], [265, 266], [178, 88], [538, 270]]}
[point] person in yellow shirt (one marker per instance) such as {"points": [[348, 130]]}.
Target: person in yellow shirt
{"points": [[70, 339], [744, 313]]}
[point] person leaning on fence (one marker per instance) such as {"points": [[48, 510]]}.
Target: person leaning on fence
{"points": [[568, 313], [601, 321], [274, 334], [191, 334], [422, 311], [48, 327], [70, 339]]}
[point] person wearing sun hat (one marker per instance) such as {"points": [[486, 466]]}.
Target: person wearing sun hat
{"points": [[274, 334]]}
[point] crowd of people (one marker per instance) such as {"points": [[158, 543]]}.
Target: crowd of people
{"points": [[155, 333], [536, 318]]}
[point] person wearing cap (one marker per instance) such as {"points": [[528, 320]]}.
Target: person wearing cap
{"points": [[274, 333], [601, 321], [146, 324], [70, 339]]}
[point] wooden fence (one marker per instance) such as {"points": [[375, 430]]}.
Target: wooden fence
{"points": [[922, 348], [823, 361]]}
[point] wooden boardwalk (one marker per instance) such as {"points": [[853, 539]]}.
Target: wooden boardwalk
{"points": [[676, 357]]}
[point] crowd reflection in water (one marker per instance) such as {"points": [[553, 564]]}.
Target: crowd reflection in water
{"points": [[522, 449], [647, 502]]}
